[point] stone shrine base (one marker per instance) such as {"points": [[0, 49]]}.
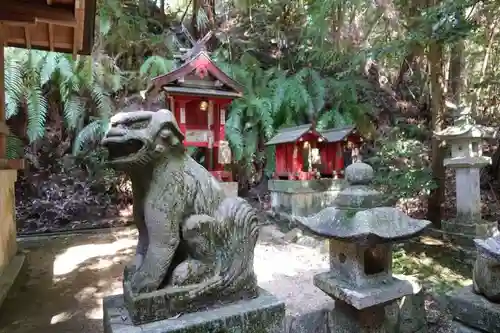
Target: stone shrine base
{"points": [[264, 314], [304, 197], [468, 231], [473, 313]]}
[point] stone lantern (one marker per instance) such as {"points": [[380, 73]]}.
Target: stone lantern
{"points": [[464, 138], [361, 234]]}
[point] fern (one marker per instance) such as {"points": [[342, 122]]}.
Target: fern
{"points": [[15, 147], [37, 113], [73, 111], [89, 135], [155, 66]]}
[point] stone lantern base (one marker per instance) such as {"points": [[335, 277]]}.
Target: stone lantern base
{"points": [[463, 234]]}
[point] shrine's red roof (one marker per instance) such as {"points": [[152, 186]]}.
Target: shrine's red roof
{"points": [[201, 65]]}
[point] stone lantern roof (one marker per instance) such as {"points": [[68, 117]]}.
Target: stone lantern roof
{"points": [[465, 127], [358, 217], [464, 137]]}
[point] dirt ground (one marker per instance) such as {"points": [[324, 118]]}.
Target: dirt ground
{"points": [[65, 279]]}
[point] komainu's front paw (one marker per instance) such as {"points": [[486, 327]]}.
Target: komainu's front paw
{"points": [[142, 283], [128, 272]]}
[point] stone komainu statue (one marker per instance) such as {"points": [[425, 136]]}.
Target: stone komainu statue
{"points": [[192, 238]]}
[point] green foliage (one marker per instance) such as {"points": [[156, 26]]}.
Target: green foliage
{"points": [[436, 268], [15, 147], [155, 66], [274, 98], [23, 88], [83, 85], [403, 170]]}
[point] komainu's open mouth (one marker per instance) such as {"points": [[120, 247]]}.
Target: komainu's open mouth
{"points": [[123, 149]]}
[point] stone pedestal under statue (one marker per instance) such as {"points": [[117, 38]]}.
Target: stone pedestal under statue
{"points": [[264, 314]]}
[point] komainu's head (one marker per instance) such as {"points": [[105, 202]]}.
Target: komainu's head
{"points": [[141, 137]]}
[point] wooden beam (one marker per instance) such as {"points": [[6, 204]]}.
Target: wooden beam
{"points": [[19, 42], [11, 164], [18, 12]]}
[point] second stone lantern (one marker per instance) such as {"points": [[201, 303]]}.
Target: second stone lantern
{"points": [[465, 138], [361, 234]]}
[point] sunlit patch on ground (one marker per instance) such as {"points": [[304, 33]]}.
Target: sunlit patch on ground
{"points": [[272, 261], [75, 256], [60, 317], [431, 241]]}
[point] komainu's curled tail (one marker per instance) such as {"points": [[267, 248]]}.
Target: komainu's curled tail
{"points": [[235, 230]]}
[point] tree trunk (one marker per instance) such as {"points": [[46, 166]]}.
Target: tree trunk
{"points": [[195, 30], [436, 198], [413, 60], [455, 74], [487, 53]]}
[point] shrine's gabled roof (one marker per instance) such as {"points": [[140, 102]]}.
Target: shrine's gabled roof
{"points": [[337, 134], [202, 65], [290, 134]]}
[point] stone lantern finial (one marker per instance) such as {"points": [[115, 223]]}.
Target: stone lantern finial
{"points": [[359, 173], [463, 116]]}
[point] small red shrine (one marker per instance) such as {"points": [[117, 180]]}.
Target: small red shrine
{"points": [[199, 93], [304, 153]]}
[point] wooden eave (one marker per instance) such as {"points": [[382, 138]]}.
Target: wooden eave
{"points": [[171, 79], [52, 25], [202, 92], [292, 134]]}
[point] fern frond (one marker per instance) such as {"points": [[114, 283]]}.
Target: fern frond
{"points": [[15, 147], [74, 111], [14, 87], [155, 66], [102, 102], [89, 135], [49, 67], [37, 113]]}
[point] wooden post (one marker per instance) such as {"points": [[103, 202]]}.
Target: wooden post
{"points": [[3, 127], [210, 121]]}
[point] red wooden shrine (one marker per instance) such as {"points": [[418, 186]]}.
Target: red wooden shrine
{"points": [[199, 93], [304, 153]]}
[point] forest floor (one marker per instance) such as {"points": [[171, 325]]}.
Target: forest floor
{"points": [[67, 277]]}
